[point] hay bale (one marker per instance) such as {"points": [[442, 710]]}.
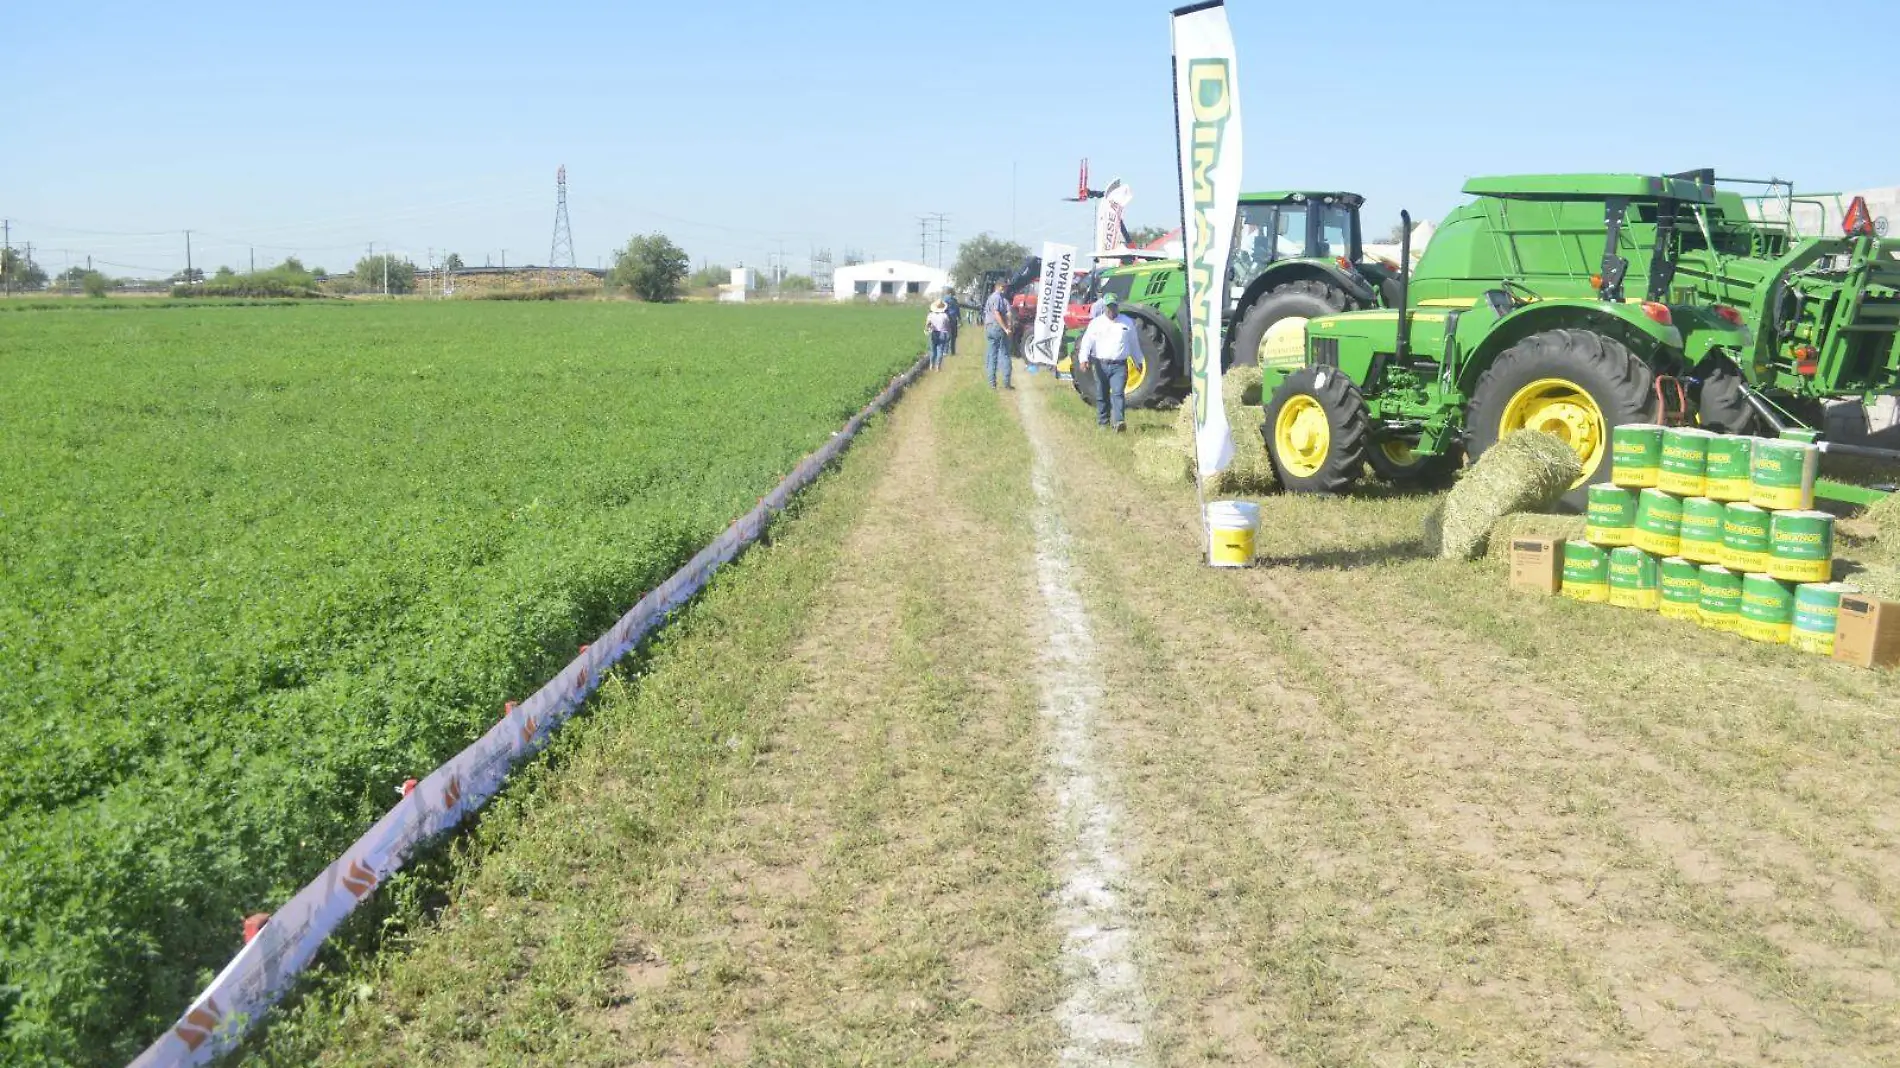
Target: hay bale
{"points": [[1251, 471], [1883, 519], [1162, 462], [1531, 525], [1871, 578], [1528, 471]]}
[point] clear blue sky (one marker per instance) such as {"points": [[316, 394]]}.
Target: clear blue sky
{"points": [[736, 126]]}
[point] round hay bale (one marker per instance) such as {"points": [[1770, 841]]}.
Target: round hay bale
{"points": [[1869, 577], [1527, 471], [1531, 525], [1883, 518]]}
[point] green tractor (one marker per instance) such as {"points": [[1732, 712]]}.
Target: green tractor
{"points": [[1297, 255], [1517, 316]]}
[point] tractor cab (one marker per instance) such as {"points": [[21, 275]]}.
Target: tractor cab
{"points": [[1275, 227]]}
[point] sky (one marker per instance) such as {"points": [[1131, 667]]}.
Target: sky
{"points": [[748, 130]]}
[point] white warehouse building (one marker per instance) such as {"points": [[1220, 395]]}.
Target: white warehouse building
{"points": [[888, 280]]}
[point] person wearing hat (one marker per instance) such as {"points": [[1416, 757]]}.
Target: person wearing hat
{"points": [[954, 310], [938, 324], [1106, 347]]}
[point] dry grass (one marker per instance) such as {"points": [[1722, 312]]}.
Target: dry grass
{"points": [[1397, 813]]}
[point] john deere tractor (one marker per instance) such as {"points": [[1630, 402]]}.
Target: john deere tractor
{"points": [[1519, 315], [1296, 255]]}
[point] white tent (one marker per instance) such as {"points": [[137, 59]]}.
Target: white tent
{"points": [[888, 280]]}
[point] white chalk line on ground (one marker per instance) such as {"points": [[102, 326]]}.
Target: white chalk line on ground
{"points": [[1104, 1015]]}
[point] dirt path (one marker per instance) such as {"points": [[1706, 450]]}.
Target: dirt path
{"points": [[979, 765]]}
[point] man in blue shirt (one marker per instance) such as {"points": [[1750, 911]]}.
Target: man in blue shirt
{"points": [[996, 331]]}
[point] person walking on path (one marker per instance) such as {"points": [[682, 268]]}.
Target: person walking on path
{"points": [[938, 324], [955, 311], [1109, 343], [996, 332]]}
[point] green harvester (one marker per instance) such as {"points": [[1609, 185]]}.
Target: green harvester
{"points": [[1575, 304]]}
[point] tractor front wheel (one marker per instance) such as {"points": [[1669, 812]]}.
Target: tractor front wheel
{"points": [[1574, 384], [1272, 331], [1158, 379], [1399, 462], [1316, 431]]}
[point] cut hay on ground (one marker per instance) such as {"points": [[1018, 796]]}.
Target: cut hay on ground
{"points": [[1530, 525], [1884, 518], [1528, 471], [1161, 461]]}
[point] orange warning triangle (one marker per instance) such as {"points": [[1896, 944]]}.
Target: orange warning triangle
{"points": [[1859, 221]]}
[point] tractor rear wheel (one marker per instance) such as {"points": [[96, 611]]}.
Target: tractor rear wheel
{"points": [[1399, 462], [1272, 331], [1316, 431], [1722, 406], [1574, 384], [1159, 378]]}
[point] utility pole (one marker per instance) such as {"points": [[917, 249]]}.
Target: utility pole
{"points": [[6, 242], [385, 274], [187, 257], [923, 239], [253, 261]]}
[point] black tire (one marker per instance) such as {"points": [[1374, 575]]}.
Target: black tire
{"points": [[1721, 406], [1618, 384], [1340, 460], [1416, 470], [1306, 299], [1164, 378], [1084, 379]]}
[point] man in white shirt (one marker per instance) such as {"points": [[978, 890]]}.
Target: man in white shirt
{"points": [[1106, 347]]}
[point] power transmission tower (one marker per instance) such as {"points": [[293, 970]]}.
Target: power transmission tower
{"points": [[821, 270], [561, 254]]}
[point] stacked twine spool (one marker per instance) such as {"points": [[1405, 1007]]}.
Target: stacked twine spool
{"points": [[1715, 528]]}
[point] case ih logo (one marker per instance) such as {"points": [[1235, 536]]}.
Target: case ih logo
{"points": [[452, 793], [358, 879], [199, 1024]]}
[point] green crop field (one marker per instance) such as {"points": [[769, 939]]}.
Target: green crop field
{"points": [[258, 565]]}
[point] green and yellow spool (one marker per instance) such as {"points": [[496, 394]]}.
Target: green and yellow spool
{"points": [[1611, 517], [1719, 604], [1767, 609], [1680, 583], [1782, 473], [1729, 474], [1636, 452], [1586, 572], [1702, 530], [1634, 579], [1685, 460], [1658, 523], [1745, 538], [1817, 608], [1801, 546]]}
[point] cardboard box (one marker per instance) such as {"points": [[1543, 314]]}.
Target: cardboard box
{"points": [[1867, 631], [1537, 564]]}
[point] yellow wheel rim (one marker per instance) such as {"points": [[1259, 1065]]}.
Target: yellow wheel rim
{"points": [[1302, 435], [1137, 373], [1561, 407], [1400, 452]]}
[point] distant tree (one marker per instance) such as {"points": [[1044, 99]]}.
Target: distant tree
{"points": [[652, 267], [19, 271], [1143, 235], [982, 254], [796, 283], [95, 284], [224, 274], [453, 263], [188, 276], [70, 278], [292, 265], [315, 272], [401, 276], [1396, 234], [709, 276]]}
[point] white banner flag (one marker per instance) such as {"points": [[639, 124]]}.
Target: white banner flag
{"points": [[1207, 123], [1052, 300], [1109, 211]]}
